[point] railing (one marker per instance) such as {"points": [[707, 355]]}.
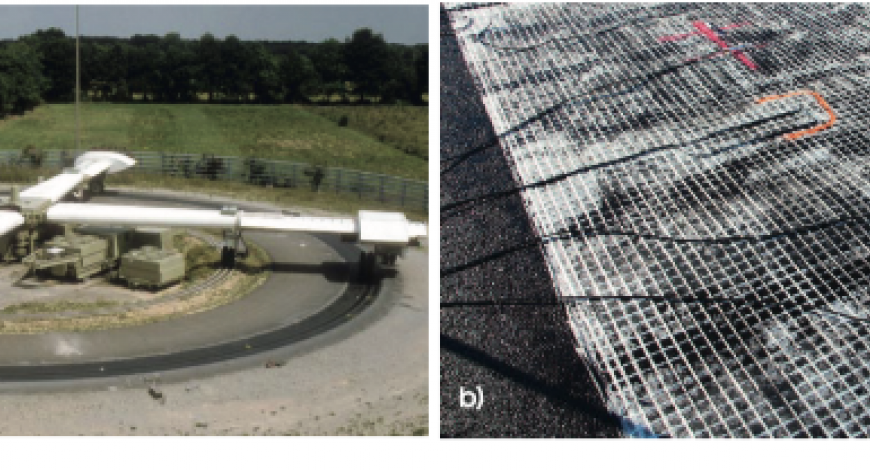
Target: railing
{"points": [[272, 173]]}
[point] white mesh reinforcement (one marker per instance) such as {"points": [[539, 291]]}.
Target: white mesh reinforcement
{"points": [[716, 272]]}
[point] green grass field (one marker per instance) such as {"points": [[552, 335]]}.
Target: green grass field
{"points": [[288, 132], [403, 127]]}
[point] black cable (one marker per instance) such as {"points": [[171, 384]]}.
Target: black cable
{"points": [[574, 232], [457, 160], [480, 37], [560, 301], [627, 158], [748, 300]]}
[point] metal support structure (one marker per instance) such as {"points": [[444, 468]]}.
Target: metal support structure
{"points": [[78, 88]]}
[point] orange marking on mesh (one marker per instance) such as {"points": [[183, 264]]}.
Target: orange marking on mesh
{"points": [[824, 104]]}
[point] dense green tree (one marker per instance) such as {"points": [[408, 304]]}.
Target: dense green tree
{"points": [[400, 80], [211, 67], [177, 70], [117, 71], [328, 61], [421, 67], [172, 69], [58, 56], [299, 77], [95, 71], [234, 82], [264, 74], [22, 83], [144, 57], [368, 61]]}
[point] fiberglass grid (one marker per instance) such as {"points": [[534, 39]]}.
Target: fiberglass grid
{"points": [[624, 338], [517, 410], [700, 412], [733, 355], [711, 414], [835, 343], [647, 322], [834, 403], [634, 378]]}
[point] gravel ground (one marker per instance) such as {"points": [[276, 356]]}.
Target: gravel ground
{"points": [[373, 382]]}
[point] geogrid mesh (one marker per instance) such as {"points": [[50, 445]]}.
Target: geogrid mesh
{"points": [[711, 250]]}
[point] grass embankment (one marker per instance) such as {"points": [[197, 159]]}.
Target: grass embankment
{"points": [[403, 127], [288, 132]]}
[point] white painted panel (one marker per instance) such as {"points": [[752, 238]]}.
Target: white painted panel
{"points": [[383, 227], [102, 214], [94, 168], [276, 222], [417, 230], [9, 221], [373, 227], [132, 216], [55, 188], [116, 162]]}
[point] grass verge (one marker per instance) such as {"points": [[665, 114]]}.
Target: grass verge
{"points": [[287, 132], [403, 127]]}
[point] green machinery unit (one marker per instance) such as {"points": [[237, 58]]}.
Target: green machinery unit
{"points": [[139, 257], [151, 267], [72, 256]]}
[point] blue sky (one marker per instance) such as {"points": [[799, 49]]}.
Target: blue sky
{"points": [[405, 24]]}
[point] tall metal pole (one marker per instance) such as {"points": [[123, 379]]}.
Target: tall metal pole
{"points": [[78, 86]]}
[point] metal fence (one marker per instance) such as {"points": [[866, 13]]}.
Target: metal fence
{"points": [[257, 171]]}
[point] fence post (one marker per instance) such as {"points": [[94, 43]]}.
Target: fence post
{"points": [[168, 164]]}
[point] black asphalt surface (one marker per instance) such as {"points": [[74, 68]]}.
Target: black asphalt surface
{"points": [[523, 359], [268, 319]]}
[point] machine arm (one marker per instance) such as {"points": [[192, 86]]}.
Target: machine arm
{"points": [[369, 227]]}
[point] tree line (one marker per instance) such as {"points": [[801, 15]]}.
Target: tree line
{"points": [[168, 69]]}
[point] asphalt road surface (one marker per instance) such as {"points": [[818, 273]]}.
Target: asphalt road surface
{"points": [[522, 358], [366, 374], [312, 288]]}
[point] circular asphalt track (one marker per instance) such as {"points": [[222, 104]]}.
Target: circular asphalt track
{"points": [[312, 290]]}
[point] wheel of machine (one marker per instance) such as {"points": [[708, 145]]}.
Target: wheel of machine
{"points": [[367, 263], [228, 257], [363, 262]]}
